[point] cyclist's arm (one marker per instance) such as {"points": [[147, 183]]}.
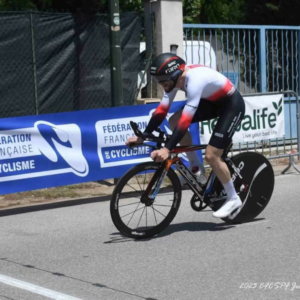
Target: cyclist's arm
{"points": [[194, 88], [161, 111]]}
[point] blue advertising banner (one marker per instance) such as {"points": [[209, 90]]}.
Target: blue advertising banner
{"points": [[69, 148]]}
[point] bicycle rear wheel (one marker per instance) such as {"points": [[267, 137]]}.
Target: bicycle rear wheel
{"points": [[135, 218], [258, 175]]}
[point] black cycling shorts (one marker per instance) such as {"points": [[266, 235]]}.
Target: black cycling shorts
{"points": [[230, 110]]}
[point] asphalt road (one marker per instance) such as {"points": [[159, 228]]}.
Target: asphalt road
{"points": [[76, 253]]}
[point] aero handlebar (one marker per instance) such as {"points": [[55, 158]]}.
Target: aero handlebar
{"points": [[162, 138]]}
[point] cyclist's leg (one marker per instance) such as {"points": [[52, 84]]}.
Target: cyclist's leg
{"points": [[231, 115], [213, 157], [206, 110]]}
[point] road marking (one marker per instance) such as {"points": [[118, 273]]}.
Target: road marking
{"points": [[35, 288]]}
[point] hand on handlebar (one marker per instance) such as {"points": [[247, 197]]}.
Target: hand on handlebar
{"points": [[133, 141], [160, 155]]}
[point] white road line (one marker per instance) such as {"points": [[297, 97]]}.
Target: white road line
{"points": [[35, 288]]}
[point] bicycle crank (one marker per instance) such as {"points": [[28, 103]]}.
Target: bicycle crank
{"points": [[197, 204]]}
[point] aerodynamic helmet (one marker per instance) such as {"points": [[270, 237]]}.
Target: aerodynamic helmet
{"points": [[167, 66]]}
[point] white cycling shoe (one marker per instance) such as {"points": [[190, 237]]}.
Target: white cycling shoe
{"points": [[200, 177], [228, 207]]}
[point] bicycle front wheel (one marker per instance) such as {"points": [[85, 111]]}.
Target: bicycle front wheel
{"points": [[136, 216]]}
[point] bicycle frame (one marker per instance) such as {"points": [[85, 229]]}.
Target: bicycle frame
{"points": [[200, 190]]}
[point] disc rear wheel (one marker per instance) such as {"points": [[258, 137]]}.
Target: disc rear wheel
{"points": [[255, 190]]}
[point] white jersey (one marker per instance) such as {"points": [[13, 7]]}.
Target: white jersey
{"points": [[201, 82]]}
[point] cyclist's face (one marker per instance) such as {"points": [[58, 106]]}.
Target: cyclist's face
{"points": [[167, 85]]}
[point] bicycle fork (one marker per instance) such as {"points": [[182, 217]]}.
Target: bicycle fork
{"points": [[161, 173], [155, 181]]}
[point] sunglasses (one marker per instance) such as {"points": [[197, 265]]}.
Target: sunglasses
{"points": [[160, 80]]}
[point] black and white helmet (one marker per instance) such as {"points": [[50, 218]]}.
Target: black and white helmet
{"points": [[167, 66]]}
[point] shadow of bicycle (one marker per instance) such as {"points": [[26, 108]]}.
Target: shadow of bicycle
{"points": [[174, 228], [184, 227]]}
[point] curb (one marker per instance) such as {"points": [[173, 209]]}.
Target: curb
{"points": [[51, 205], [72, 202]]}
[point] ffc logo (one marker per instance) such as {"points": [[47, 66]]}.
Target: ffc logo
{"points": [[64, 140]]}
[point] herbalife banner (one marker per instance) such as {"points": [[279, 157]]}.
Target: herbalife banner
{"points": [[68, 148], [264, 119]]}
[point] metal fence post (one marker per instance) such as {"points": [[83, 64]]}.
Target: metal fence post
{"points": [[34, 65], [262, 63], [298, 122], [297, 99], [115, 54]]}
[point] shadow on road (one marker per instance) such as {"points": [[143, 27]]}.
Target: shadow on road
{"points": [[172, 228], [194, 227], [187, 226]]}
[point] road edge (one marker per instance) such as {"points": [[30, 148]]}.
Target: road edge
{"points": [[87, 200]]}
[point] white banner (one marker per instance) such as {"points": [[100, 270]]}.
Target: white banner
{"points": [[264, 119]]}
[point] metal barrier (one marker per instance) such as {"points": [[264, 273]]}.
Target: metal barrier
{"points": [[255, 58], [275, 146]]}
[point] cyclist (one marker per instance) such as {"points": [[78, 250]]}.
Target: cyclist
{"points": [[209, 95]]}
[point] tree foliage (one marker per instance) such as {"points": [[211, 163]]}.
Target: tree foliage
{"points": [[272, 12], [192, 10], [16, 5], [213, 11], [269, 12], [224, 11], [86, 6]]}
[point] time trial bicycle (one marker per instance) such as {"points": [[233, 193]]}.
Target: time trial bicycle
{"points": [[147, 197]]}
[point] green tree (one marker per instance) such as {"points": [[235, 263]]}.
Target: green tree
{"points": [[192, 10], [273, 12], [90, 6], [223, 11], [132, 5], [16, 5], [269, 12], [87, 6]]}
